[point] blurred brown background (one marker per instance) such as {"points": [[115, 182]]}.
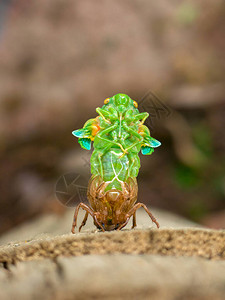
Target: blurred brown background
{"points": [[60, 59]]}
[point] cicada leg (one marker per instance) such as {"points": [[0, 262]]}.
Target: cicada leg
{"points": [[134, 221], [88, 210], [141, 116], [84, 221], [134, 163], [107, 130], [124, 224], [137, 206], [98, 155], [133, 211], [134, 133], [97, 222]]}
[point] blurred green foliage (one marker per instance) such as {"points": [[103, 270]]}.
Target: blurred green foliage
{"points": [[186, 177], [203, 138], [197, 209], [187, 13]]}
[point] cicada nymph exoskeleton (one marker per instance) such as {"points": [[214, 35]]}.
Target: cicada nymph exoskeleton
{"points": [[111, 209], [119, 135]]}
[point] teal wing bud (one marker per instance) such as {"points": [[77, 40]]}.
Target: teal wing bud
{"points": [[150, 141], [87, 134], [81, 133], [85, 143], [149, 144], [83, 138], [145, 150]]}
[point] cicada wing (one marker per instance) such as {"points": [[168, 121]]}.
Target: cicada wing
{"points": [[146, 150], [83, 138], [85, 143], [151, 142], [87, 133], [81, 133]]}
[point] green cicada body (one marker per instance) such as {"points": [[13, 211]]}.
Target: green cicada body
{"points": [[118, 135]]}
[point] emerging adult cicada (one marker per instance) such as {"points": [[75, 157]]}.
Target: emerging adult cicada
{"points": [[119, 135]]}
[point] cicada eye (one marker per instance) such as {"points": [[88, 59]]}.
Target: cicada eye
{"points": [[135, 104], [106, 101]]}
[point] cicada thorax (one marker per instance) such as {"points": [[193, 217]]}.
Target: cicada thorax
{"points": [[112, 204], [113, 187]]}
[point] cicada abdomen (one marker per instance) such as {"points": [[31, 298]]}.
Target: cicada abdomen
{"points": [[119, 135]]}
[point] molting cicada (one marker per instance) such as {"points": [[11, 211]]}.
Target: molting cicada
{"points": [[118, 135]]}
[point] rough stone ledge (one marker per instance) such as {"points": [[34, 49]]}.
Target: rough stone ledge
{"points": [[209, 244], [115, 277]]}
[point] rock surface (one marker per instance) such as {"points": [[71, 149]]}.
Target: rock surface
{"points": [[169, 263], [115, 277]]}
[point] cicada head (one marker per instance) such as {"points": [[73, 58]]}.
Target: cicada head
{"points": [[121, 102]]}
